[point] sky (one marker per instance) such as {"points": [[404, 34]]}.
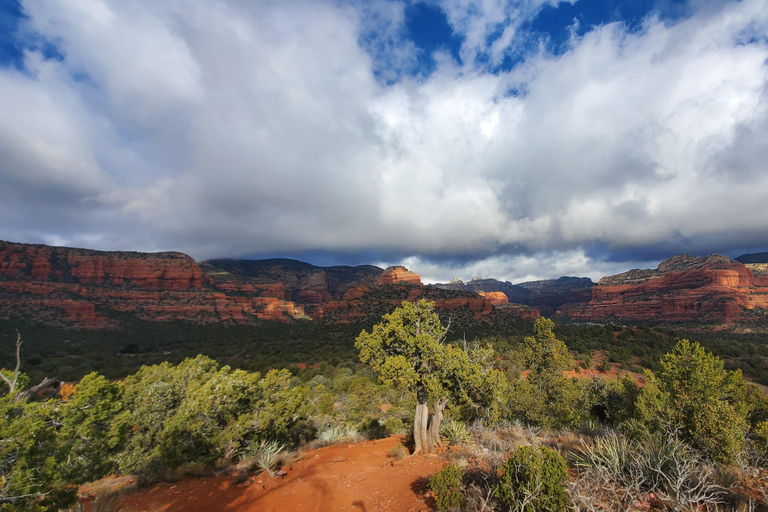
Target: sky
{"points": [[519, 140]]}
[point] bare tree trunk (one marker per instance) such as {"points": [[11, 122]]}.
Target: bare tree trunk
{"points": [[434, 427], [12, 382], [420, 440]]}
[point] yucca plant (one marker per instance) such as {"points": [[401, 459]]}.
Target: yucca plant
{"points": [[266, 455], [454, 432], [614, 454], [352, 434], [332, 435]]}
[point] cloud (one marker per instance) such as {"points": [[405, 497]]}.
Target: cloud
{"points": [[229, 129]]}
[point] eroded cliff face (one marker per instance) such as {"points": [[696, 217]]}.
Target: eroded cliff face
{"points": [[94, 289], [683, 288], [125, 270], [399, 275], [82, 288]]}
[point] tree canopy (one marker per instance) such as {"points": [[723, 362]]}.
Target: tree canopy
{"points": [[408, 347]]}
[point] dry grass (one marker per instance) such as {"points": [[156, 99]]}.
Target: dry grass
{"points": [[656, 474]]}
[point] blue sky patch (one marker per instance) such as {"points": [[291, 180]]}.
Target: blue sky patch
{"points": [[428, 28], [11, 53]]}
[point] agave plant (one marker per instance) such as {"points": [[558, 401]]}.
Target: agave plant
{"points": [[336, 434]]}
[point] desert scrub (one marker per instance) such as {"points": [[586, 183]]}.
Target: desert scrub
{"points": [[534, 479], [446, 485]]}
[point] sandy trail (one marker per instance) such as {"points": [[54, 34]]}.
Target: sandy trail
{"points": [[351, 477]]}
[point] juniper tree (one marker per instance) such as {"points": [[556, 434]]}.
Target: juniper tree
{"points": [[408, 347]]}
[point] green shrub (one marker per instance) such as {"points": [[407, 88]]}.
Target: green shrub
{"points": [[761, 437], [693, 394], [446, 485], [374, 428], [533, 479], [394, 425]]}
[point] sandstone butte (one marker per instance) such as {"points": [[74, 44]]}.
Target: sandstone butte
{"points": [[398, 275], [683, 288], [73, 287], [78, 288]]}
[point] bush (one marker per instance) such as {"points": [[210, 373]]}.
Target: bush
{"points": [[374, 428], [618, 470], [533, 479], [693, 394], [446, 485]]}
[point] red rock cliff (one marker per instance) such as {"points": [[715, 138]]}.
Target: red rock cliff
{"points": [[398, 275], [79, 288], [682, 289]]}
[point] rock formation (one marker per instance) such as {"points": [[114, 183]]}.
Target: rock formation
{"points": [[545, 296], [84, 288], [398, 275], [683, 288], [94, 289]]}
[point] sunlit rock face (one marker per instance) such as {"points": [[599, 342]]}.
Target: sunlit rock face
{"points": [[398, 275], [683, 288], [95, 289], [84, 288]]}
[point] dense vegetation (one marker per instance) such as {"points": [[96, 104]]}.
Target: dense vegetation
{"points": [[192, 412]]}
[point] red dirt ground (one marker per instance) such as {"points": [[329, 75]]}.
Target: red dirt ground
{"points": [[350, 477]]}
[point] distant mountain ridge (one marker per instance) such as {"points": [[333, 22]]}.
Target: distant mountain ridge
{"points": [[758, 257], [86, 288], [757, 263], [546, 295]]}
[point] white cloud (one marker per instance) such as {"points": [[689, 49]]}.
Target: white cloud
{"points": [[227, 128]]}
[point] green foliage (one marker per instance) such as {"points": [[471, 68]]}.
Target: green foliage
{"points": [[198, 413], [152, 396], [406, 346], [545, 355], [547, 398], [761, 437], [94, 429], [407, 349], [446, 486], [534, 479], [30, 463], [612, 401], [49, 447], [693, 393]]}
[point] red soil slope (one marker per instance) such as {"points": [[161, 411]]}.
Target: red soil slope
{"points": [[356, 477]]}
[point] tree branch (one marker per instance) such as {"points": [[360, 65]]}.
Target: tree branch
{"points": [[443, 335], [47, 382]]}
